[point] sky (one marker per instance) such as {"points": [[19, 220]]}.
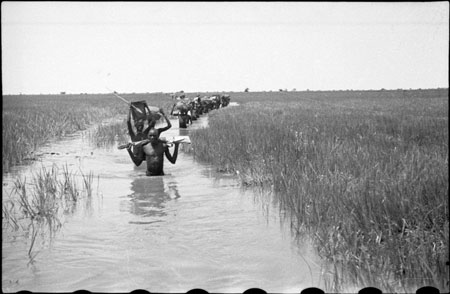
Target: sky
{"points": [[97, 47]]}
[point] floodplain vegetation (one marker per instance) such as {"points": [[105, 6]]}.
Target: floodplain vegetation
{"points": [[365, 174], [36, 207], [30, 121]]}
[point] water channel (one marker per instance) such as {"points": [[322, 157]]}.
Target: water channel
{"points": [[192, 228]]}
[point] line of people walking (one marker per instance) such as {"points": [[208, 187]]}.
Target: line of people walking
{"points": [[146, 144], [190, 109]]}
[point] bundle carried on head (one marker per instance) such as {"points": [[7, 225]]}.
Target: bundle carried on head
{"points": [[140, 111], [182, 106]]}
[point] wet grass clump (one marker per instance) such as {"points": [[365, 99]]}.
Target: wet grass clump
{"points": [[38, 208], [107, 135], [368, 179]]}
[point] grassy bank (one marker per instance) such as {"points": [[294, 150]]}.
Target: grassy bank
{"points": [[365, 173], [29, 121]]}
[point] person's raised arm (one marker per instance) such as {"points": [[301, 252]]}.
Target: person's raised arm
{"points": [[130, 128], [172, 158], [136, 159], [169, 125], [151, 119]]}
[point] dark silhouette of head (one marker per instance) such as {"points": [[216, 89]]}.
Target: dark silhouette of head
{"points": [[153, 135], [139, 125]]}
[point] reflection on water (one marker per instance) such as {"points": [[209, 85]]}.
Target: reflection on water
{"points": [[150, 195]]}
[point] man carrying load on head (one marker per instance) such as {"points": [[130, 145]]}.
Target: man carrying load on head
{"points": [[183, 109], [142, 134]]}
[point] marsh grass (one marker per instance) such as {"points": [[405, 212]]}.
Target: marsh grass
{"points": [[108, 135], [367, 179], [38, 208], [30, 121]]}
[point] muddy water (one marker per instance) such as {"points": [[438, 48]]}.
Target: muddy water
{"points": [[192, 228]]}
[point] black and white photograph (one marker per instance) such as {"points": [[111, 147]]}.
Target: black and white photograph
{"points": [[225, 147]]}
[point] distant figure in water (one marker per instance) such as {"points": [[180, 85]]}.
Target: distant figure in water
{"points": [[152, 150], [142, 134], [183, 109]]}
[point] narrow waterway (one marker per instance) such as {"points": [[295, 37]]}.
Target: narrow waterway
{"points": [[192, 228]]}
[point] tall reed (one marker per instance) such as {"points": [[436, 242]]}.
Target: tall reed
{"points": [[38, 208], [367, 179], [108, 135]]}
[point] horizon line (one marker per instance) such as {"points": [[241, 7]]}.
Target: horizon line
{"points": [[223, 91]]}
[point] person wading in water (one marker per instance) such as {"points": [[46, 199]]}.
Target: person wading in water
{"points": [[153, 150], [142, 134]]}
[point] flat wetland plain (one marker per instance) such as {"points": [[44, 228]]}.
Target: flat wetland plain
{"points": [[362, 173]]}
